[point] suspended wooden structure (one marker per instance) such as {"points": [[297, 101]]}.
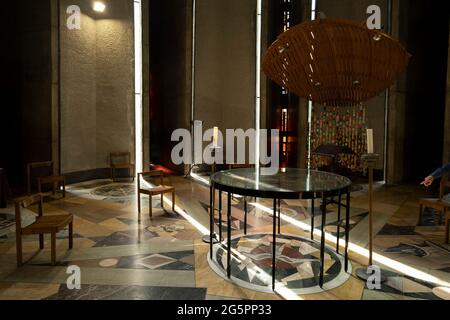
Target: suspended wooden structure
{"points": [[335, 62]]}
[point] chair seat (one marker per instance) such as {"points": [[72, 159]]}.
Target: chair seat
{"points": [[48, 224], [157, 190], [435, 203]]}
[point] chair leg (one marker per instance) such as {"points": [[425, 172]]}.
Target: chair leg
{"points": [[162, 201], [19, 250], [53, 248], [41, 241], [71, 235], [173, 201], [151, 207]]}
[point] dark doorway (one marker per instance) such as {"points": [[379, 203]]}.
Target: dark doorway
{"points": [[427, 29], [169, 65]]}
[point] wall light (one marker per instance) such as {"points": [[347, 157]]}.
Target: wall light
{"points": [[99, 6]]}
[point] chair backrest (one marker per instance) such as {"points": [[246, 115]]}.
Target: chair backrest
{"points": [[25, 202], [36, 165], [120, 157], [150, 174]]}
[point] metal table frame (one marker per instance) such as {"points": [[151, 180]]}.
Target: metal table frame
{"points": [[277, 197]]}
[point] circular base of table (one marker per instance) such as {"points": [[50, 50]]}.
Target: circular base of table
{"points": [[298, 265], [364, 275], [442, 292], [207, 238]]}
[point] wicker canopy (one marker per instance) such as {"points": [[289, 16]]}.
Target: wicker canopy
{"points": [[335, 62]]}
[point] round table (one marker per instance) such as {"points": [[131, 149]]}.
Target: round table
{"points": [[286, 184]]}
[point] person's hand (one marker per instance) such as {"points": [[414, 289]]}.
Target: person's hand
{"points": [[428, 181]]}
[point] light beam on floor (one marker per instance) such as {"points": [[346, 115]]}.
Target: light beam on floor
{"points": [[392, 264], [264, 276]]}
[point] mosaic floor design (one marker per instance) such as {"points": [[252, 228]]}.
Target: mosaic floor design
{"points": [[182, 260], [106, 190], [424, 253], [333, 227], [430, 217], [108, 292], [399, 286], [298, 264], [6, 221]]}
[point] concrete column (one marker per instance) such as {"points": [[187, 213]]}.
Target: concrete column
{"points": [[146, 83]]}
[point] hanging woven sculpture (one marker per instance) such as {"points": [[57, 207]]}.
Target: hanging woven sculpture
{"points": [[335, 62]]}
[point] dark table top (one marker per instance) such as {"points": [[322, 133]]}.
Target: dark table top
{"points": [[285, 185]]}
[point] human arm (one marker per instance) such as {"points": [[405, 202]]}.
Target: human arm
{"points": [[436, 175]]}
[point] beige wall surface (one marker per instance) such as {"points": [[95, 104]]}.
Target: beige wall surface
{"points": [[97, 86], [225, 68]]}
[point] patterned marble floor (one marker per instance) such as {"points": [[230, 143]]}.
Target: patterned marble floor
{"points": [[164, 258]]}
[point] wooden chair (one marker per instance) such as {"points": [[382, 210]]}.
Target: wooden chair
{"points": [[121, 160], [43, 225], [440, 205], [44, 180], [161, 189]]}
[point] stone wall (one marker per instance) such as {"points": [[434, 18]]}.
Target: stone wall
{"points": [[225, 64], [97, 86]]}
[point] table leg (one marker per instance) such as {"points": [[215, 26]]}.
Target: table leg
{"points": [[322, 239], [274, 244], [211, 222], [339, 222], [347, 229], [229, 236], [312, 217], [220, 216]]}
